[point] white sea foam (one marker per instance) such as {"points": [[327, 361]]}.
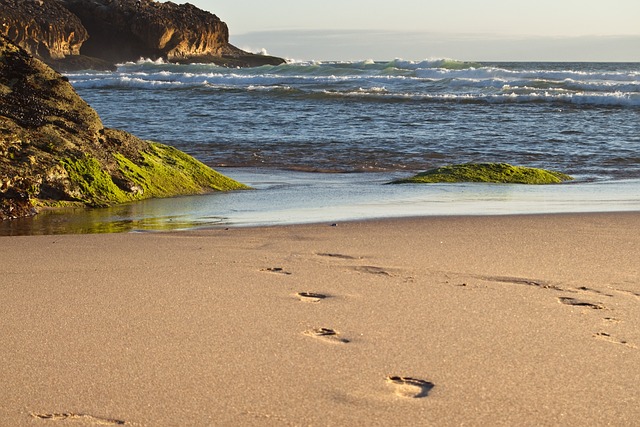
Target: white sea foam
{"points": [[393, 115], [509, 97], [429, 80], [141, 61]]}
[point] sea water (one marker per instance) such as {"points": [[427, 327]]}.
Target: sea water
{"points": [[319, 140]]}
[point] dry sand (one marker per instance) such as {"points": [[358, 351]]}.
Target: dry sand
{"points": [[522, 320]]}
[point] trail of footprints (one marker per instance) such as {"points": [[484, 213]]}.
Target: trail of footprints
{"points": [[596, 305], [409, 387], [573, 301], [406, 387]]}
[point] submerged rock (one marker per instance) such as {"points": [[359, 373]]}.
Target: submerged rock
{"points": [[55, 151], [487, 172]]}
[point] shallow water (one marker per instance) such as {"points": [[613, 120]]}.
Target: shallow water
{"points": [[582, 119], [285, 197], [277, 128]]}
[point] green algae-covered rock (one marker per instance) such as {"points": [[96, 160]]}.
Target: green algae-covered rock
{"points": [[54, 150], [163, 172], [487, 172]]}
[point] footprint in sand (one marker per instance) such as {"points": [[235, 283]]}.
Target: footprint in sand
{"points": [[607, 337], [311, 296], [522, 281], [336, 255], [326, 334], [62, 416], [592, 291], [410, 387], [370, 269], [626, 292], [278, 270], [578, 303]]}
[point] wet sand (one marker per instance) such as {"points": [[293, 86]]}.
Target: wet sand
{"points": [[290, 197], [503, 320]]}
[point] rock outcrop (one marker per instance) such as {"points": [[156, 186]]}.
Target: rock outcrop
{"points": [[44, 28], [502, 173], [122, 30], [55, 151], [48, 31], [76, 34]]}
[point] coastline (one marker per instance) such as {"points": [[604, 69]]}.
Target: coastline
{"points": [[290, 197], [325, 297], [521, 319]]}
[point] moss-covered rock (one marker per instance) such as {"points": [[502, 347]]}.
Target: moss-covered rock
{"points": [[487, 172], [54, 150], [163, 171]]}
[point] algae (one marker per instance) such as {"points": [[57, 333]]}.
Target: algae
{"points": [[92, 184], [163, 171], [487, 172]]}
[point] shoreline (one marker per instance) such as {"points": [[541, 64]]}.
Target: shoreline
{"points": [[523, 319], [288, 197]]}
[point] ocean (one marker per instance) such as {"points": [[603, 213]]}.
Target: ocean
{"points": [[319, 140]]}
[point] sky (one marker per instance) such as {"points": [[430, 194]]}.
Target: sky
{"points": [[474, 30]]}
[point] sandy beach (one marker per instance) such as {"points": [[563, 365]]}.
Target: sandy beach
{"points": [[503, 320]]}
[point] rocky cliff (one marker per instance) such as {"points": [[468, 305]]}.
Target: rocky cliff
{"points": [[73, 34], [43, 27], [49, 31], [54, 149]]}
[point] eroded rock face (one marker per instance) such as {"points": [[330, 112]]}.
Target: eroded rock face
{"points": [[96, 34], [125, 30], [122, 30], [41, 120], [54, 149], [44, 28]]}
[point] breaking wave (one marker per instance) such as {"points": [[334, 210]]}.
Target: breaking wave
{"points": [[393, 115], [435, 80]]}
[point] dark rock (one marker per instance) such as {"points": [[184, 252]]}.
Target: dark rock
{"points": [[44, 28], [54, 149], [81, 62], [50, 32], [123, 30], [96, 34], [233, 59], [126, 30]]}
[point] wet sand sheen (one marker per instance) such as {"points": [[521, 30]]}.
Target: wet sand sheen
{"points": [[476, 320], [286, 197]]}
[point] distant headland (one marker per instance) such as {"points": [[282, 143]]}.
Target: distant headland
{"points": [[78, 34]]}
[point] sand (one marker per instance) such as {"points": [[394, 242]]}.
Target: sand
{"points": [[513, 320]]}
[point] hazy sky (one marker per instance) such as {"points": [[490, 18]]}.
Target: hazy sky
{"points": [[417, 29]]}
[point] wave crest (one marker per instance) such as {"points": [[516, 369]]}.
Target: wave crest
{"points": [[433, 80]]}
